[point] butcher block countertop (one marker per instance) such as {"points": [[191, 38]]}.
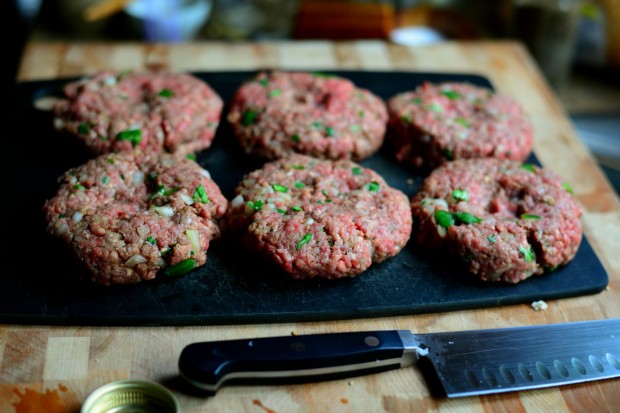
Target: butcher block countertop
{"points": [[53, 369]]}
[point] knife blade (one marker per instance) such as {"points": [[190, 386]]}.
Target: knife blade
{"points": [[466, 363]]}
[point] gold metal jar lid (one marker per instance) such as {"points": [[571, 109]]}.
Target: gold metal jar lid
{"points": [[135, 396]]}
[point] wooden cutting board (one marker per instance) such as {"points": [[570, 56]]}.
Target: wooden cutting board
{"points": [[58, 367]]}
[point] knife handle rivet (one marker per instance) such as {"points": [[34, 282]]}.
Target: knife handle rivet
{"points": [[371, 341]]}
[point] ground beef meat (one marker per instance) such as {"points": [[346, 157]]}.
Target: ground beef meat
{"points": [[279, 113], [319, 218], [501, 219], [112, 112], [436, 123], [128, 215]]}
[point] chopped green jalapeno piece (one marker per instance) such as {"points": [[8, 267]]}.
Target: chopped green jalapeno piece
{"points": [[435, 107], [161, 191], [166, 93], [298, 167], [460, 195], [105, 180], [444, 218], [361, 114], [448, 154], [299, 184], [191, 156], [451, 94], [132, 135], [248, 117], [200, 195], [306, 238], [296, 139], [322, 74], [181, 268], [279, 188], [330, 131], [110, 161], [462, 122], [282, 211], [528, 167], [356, 171], [296, 208], [151, 240], [256, 205], [317, 124], [528, 253], [79, 187], [171, 191], [264, 81], [275, 93], [417, 101], [492, 238], [531, 217], [84, 128], [567, 187], [372, 186], [467, 218], [406, 119], [355, 128]]}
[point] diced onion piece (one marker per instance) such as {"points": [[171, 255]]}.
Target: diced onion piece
{"points": [[441, 231], [61, 229], [539, 305], [138, 177], [135, 260], [143, 230], [77, 217], [194, 239], [109, 80], [309, 221], [59, 123], [205, 173], [186, 198], [165, 211], [237, 201]]}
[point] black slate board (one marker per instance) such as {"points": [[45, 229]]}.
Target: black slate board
{"points": [[37, 277]]}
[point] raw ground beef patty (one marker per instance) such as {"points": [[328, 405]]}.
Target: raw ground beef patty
{"points": [[436, 123], [501, 219], [319, 218], [128, 215], [111, 112], [325, 116]]}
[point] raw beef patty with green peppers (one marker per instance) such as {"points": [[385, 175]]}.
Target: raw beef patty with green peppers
{"points": [[129, 216], [436, 123], [325, 116], [498, 219], [319, 218], [159, 111]]}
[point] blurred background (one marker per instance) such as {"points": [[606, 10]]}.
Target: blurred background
{"points": [[576, 43]]}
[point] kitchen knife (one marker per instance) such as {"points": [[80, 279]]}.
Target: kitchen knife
{"points": [[467, 363]]}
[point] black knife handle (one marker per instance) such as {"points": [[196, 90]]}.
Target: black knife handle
{"points": [[290, 359]]}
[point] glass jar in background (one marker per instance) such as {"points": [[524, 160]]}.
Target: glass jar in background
{"points": [[251, 19], [612, 8], [549, 29]]}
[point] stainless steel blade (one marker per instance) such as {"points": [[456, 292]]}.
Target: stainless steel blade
{"points": [[479, 362]]}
